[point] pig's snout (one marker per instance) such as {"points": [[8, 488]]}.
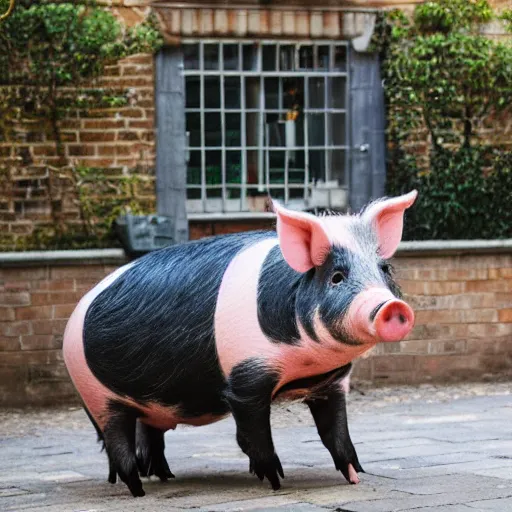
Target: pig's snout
{"points": [[393, 321], [377, 315]]}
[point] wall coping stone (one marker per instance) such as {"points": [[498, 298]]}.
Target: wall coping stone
{"points": [[438, 248]]}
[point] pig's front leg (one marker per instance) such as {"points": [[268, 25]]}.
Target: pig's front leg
{"points": [[330, 414], [249, 394]]}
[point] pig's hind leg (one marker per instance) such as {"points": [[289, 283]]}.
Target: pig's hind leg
{"points": [[119, 438], [150, 452], [330, 414], [249, 394], [112, 474]]}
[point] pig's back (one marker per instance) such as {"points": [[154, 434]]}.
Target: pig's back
{"points": [[150, 335]]}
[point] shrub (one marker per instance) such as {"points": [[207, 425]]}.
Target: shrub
{"points": [[443, 80]]}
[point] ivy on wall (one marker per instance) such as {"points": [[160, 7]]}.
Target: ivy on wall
{"points": [[445, 83], [50, 55]]}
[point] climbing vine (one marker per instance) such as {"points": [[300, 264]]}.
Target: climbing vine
{"points": [[446, 83], [50, 57]]}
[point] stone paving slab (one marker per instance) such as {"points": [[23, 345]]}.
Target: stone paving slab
{"points": [[428, 449]]}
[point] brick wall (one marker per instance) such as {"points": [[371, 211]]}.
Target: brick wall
{"points": [[116, 144], [463, 326]]}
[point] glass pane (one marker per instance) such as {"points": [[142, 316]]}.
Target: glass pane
{"points": [[252, 166], [212, 129], [194, 128], [306, 57], [337, 88], [193, 193], [233, 166], [252, 131], [250, 57], [269, 57], [232, 130], [337, 163], [192, 92], [252, 92], [232, 92], [211, 56], [337, 129], [293, 93], [323, 57], [316, 129], [212, 92], [191, 56], [340, 58], [271, 93], [213, 168], [194, 168], [230, 56], [316, 93], [275, 131], [287, 57], [316, 165], [276, 166]]}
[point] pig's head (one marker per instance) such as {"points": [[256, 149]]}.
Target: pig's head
{"points": [[347, 285]]}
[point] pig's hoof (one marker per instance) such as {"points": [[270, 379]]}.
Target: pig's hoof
{"points": [[269, 468], [112, 477], [350, 471]]}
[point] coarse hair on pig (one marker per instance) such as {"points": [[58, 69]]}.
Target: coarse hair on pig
{"points": [[226, 324]]}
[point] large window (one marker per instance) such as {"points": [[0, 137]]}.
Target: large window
{"points": [[266, 117]]}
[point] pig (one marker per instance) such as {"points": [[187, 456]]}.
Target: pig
{"points": [[228, 324]]}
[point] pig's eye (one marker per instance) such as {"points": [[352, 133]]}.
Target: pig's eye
{"points": [[386, 268], [338, 277]]}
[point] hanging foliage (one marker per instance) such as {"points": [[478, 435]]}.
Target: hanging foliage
{"points": [[444, 81]]}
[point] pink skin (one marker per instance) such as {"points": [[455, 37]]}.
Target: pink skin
{"points": [[93, 392], [388, 221]]}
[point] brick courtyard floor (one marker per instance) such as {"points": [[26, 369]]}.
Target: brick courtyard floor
{"points": [[443, 449]]}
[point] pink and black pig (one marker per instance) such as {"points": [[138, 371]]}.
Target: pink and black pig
{"points": [[191, 333]]}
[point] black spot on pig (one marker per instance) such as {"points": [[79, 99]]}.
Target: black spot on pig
{"points": [[150, 334]]}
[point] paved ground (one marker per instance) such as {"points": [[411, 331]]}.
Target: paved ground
{"points": [[427, 449]]}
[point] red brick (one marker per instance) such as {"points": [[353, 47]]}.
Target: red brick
{"points": [[77, 272], [456, 316], [28, 274], [14, 299], [103, 124], [9, 344], [40, 342], [63, 311], [106, 150], [14, 328], [17, 285], [6, 314], [147, 125], [495, 285], [393, 363], [505, 315], [97, 136], [33, 312], [56, 284], [49, 326], [43, 298], [82, 150]]}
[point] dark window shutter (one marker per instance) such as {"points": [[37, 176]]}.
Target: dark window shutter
{"points": [[171, 169], [368, 169]]}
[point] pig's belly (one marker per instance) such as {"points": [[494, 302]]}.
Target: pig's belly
{"points": [[95, 395]]}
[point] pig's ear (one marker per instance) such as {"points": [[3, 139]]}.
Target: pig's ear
{"points": [[303, 241], [387, 218]]}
